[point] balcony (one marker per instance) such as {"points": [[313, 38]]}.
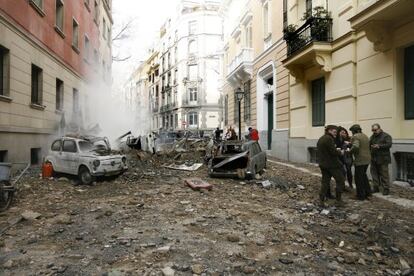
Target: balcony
{"points": [[380, 19], [314, 30], [188, 103], [308, 46], [240, 68], [168, 107]]}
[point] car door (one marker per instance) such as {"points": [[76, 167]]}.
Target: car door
{"points": [[56, 154], [261, 157], [69, 157], [253, 156]]}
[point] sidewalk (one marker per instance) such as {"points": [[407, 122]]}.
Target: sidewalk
{"points": [[402, 202]]}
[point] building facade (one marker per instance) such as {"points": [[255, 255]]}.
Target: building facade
{"points": [[351, 62], [253, 54], [184, 69], [50, 53]]}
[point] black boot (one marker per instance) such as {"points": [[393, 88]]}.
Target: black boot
{"points": [[339, 202]]}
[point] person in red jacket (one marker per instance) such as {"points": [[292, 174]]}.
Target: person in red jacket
{"points": [[253, 134]]}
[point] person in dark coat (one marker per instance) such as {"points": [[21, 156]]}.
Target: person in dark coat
{"points": [[343, 142], [362, 158], [380, 144], [330, 165]]}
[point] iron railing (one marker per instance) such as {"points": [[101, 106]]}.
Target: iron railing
{"points": [[314, 29]]}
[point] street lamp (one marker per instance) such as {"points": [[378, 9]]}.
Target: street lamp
{"points": [[239, 96]]}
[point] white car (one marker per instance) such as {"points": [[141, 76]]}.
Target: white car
{"points": [[87, 157]]}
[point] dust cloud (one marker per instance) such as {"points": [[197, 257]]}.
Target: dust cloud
{"points": [[108, 113]]}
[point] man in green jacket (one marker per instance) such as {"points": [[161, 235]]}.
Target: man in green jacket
{"points": [[380, 143], [330, 164], [362, 157]]}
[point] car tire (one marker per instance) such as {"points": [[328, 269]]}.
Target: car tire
{"points": [[85, 176], [252, 175]]}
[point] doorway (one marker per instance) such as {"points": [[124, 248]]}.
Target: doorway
{"points": [[269, 120]]}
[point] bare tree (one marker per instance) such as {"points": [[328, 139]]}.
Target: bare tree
{"points": [[123, 34]]}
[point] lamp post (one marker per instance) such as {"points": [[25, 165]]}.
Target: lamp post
{"points": [[239, 96]]}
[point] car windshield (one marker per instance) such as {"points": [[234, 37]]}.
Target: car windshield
{"points": [[231, 149], [85, 146], [98, 146]]}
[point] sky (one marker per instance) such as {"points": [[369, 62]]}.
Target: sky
{"points": [[148, 16]]}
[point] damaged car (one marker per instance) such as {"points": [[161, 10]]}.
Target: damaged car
{"points": [[237, 159], [86, 157]]}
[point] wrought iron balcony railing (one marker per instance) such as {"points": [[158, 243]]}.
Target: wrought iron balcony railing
{"points": [[314, 29]]}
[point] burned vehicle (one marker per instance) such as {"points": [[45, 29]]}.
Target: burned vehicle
{"points": [[237, 159], [87, 157]]}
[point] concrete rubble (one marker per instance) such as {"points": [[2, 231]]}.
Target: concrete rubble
{"points": [[148, 222]]}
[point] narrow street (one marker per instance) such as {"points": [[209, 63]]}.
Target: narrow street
{"points": [[147, 222]]}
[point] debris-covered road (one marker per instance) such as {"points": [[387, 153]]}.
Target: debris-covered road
{"points": [[147, 222]]}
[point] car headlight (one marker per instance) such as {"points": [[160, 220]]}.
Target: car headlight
{"points": [[96, 163], [124, 160]]}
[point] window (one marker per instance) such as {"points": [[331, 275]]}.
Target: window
{"points": [[3, 155], [75, 34], [226, 110], [247, 101], [409, 83], [248, 39], [37, 85], [192, 27], [193, 94], [75, 99], [236, 109], [56, 145], [69, 146], [176, 121], [96, 12], [308, 8], [38, 6], [192, 47], [87, 48], [104, 28], [318, 102], [4, 71], [192, 72], [193, 119], [87, 4], [35, 156], [285, 14], [176, 54], [266, 19], [59, 94], [405, 166], [109, 36], [59, 14]]}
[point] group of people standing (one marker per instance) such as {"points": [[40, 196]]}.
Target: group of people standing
{"points": [[231, 134], [338, 152]]}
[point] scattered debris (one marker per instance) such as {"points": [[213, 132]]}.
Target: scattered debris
{"points": [[30, 215], [198, 184], [184, 167]]}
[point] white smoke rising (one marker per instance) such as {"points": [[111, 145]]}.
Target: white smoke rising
{"points": [[111, 112]]}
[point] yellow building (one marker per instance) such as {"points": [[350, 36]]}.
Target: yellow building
{"points": [[254, 50], [351, 62]]}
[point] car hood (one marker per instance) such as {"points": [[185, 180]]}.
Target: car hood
{"points": [[101, 157]]}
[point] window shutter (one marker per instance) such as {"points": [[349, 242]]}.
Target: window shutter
{"points": [[409, 83], [318, 102]]}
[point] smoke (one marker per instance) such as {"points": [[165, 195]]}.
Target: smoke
{"points": [[112, 112]]}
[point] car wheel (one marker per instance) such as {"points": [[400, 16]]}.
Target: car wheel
{"points": [[252, 175], [85, 176]]}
